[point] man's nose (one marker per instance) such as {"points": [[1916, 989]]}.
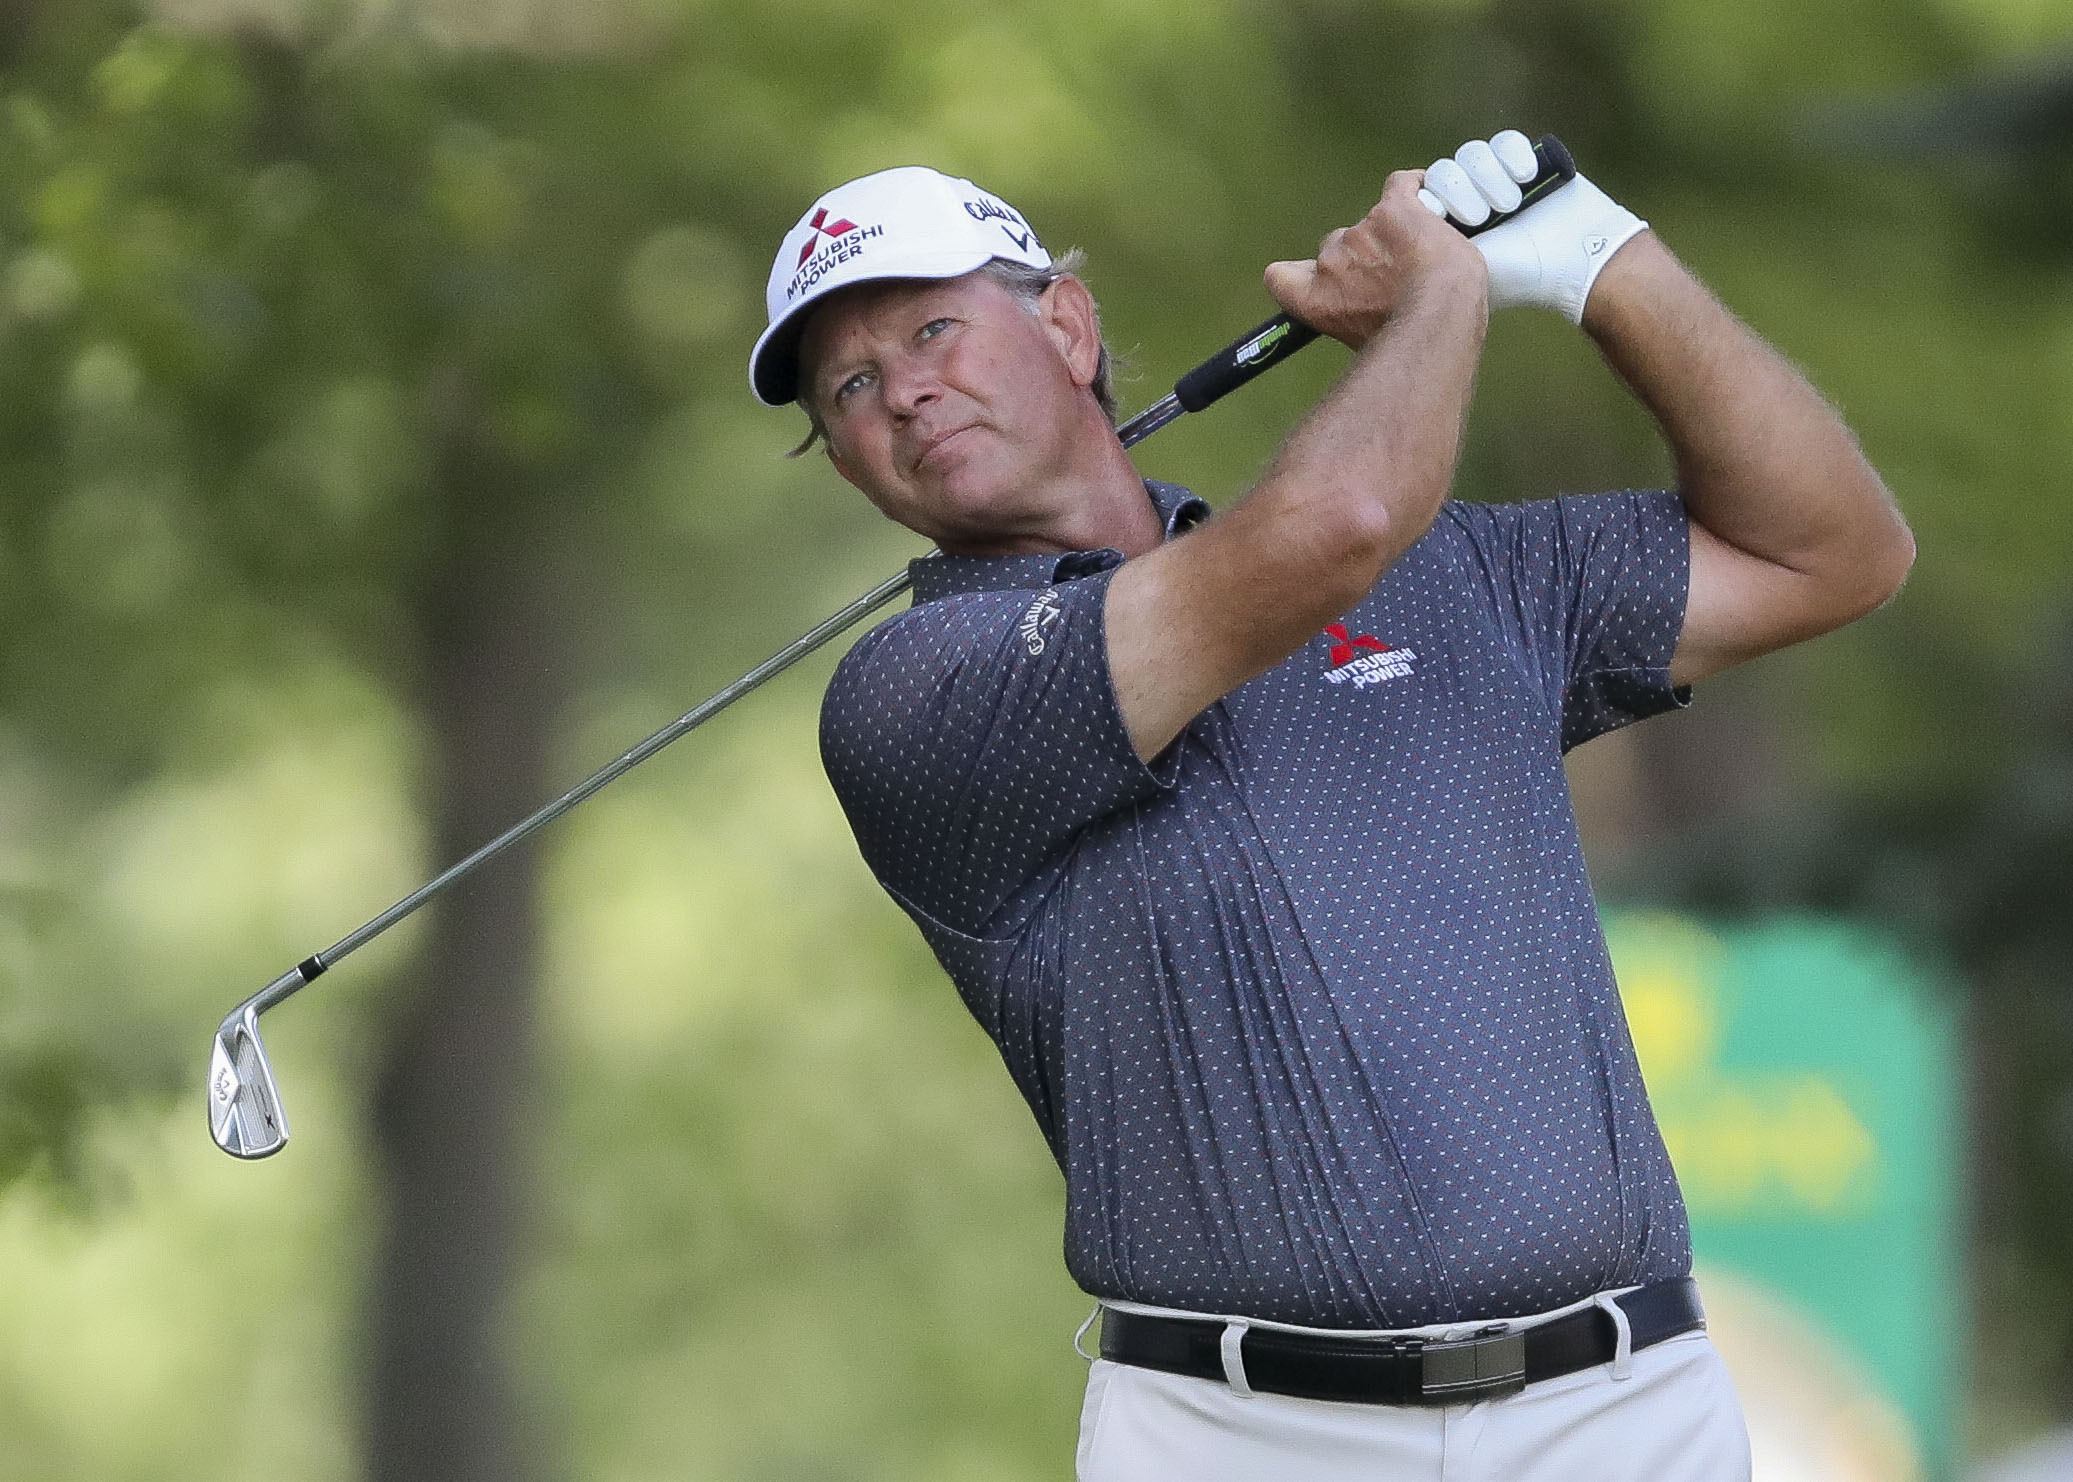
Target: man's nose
{"points": [[910, 385]]}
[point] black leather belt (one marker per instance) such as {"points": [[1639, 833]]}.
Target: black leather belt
{"points": [[1404, 1371]]}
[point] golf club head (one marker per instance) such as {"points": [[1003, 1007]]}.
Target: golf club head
{"points": [[245, 1115]]}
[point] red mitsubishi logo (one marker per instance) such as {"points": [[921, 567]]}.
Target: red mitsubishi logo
{"points": [[821, 225], [1344, 647]]}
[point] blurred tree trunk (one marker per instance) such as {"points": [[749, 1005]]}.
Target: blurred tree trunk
{"points": [[17, 24], [459, 1071]]}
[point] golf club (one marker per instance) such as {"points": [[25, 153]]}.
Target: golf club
{"points": [[245, 1113]]}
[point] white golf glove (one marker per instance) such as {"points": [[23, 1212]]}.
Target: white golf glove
{"points": [[1547, 256]]}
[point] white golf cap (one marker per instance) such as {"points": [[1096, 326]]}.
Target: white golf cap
{"points": [[910, 222]]}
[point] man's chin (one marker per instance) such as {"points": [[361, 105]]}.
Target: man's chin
{"points": [[978, 505]]}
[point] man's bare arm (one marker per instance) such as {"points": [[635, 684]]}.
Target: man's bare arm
{"points": [[1349, 492], [1792, 532]]}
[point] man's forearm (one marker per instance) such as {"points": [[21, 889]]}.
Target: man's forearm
{"points": [[1763, 461], [1349, 492], [1379, 452]]}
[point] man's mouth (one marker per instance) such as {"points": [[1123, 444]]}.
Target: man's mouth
{"points": [[939, 440]]}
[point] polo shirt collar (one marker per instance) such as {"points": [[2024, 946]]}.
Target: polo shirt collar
{"points": [[948, 576]]}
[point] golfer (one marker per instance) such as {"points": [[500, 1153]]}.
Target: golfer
{"points": [[1246, 837]]}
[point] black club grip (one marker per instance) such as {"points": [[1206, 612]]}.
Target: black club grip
{"points": [[1267, 345]]}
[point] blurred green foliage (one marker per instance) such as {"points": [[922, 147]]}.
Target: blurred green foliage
{"points": [[793, 1223]]}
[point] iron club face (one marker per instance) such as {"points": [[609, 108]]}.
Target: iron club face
{"points": [[245, 1115]]}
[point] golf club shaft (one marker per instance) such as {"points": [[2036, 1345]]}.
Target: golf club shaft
{"points": [[1138, 428], [1249, 356], [770, 668]]}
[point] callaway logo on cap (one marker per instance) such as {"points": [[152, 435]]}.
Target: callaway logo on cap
{"points": [[906, 223]]}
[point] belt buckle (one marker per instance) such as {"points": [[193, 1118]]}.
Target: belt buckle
{"points": [[1484, 1367]]}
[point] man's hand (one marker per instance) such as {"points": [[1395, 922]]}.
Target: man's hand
{"points": [[1363, 272], [1550, 254]]}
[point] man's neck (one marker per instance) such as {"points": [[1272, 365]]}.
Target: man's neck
{"points": [[1108, 506]]}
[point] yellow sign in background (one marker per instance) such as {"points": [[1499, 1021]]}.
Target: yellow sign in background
{"points": [[1803, 1074]]}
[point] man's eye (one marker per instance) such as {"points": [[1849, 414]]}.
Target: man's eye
{"points": [[933, 328], [856, 382]]}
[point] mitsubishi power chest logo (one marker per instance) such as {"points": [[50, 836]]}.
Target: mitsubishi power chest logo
{"points": [[828, 243], [1362, 659]]}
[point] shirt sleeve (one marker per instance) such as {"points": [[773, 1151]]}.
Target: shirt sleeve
{"points": [[971, 739], [1593, 587]]}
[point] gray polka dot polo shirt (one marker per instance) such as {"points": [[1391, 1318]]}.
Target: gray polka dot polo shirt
{"points": [[1314, 1010]]}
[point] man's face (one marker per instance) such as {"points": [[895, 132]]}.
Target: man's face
{"points": [[949, 403]]}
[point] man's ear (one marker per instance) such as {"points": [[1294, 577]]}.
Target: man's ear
{"points": [[1069, 317]]}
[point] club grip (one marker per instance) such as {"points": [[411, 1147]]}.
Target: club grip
{"points": [[1231, 367], [1267, 345], [1556, 170]]}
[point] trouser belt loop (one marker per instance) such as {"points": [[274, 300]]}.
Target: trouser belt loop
{"points": [[1623, 1346], [1234, 1357], [1082, 1332]]}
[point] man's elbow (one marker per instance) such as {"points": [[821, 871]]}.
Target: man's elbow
{"points": [[1884, 554], [1901, 561], [1334, 554]]}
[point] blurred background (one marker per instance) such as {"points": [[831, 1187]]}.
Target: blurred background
{"points": [[376, 459]]}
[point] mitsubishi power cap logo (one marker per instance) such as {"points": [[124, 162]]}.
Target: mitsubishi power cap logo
{"points": [[1362, 659], [819, 225], [829, 243]]}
